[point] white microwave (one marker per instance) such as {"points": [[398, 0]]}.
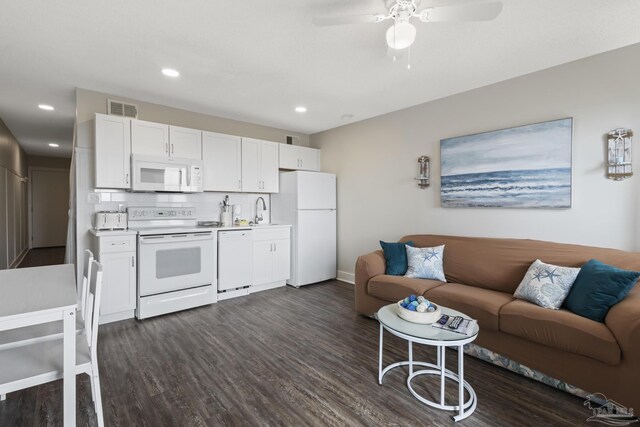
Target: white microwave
{"points": [[153, 173]]}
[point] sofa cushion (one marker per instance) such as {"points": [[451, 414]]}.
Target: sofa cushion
{"points": [[425, 263], [561, 330], [598, 288], [395, 256], [395, 288], [478, 303], [546, 285]]}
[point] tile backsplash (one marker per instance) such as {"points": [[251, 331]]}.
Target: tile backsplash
{"points": [[207, 204]]}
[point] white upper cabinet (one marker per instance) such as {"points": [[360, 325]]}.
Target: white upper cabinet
{"points": [[113, 152], [149, 138], [185, 143], [251, 181], [295, 157], [259, 166], [222, 158], [269, 167]]}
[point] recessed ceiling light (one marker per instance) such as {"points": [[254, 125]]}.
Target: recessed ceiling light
{"points": [[51, 144], [301, 109], [170, 72], [347, 116], [45, 107]]}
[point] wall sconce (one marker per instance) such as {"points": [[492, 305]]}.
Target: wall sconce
{"points": [[619, 154], [423, 172]]}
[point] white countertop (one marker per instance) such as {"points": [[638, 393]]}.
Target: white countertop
{"points": [[165, 230]]}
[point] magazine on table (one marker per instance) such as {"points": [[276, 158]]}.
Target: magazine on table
{"points": [[466, 326]]}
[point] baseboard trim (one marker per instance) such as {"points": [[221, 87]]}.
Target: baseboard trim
{"points": [[344, 276]]}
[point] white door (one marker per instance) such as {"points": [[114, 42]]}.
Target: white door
{"points": [[316, 190], [316, 256], [185, 143], [269, 167], [222, 158], [50, 207], [250, 165], [113, 152], [119, 280], [262, 262], [281, 260], [149, 138], [288, 157], [309, 159], [11, 189]]}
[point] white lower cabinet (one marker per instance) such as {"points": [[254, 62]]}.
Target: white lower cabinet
{"points": [[117, 255], [271, 257]]}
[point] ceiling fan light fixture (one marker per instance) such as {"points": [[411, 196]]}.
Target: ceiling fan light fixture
{"points": [[401, 35]]}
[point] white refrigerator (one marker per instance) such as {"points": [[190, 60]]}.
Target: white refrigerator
{"points": [[307, 201]]}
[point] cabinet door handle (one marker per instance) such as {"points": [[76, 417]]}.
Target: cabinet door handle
{"points": [[275, 248], [166, 148], [133, 261], [271, 247], [239, 184], [127, 178], [172, 149]]}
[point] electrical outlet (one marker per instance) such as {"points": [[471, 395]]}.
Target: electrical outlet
{"points": [[93, 198]]}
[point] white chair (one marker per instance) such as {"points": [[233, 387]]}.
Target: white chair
{"points": [[53, 330], [30, 365]]}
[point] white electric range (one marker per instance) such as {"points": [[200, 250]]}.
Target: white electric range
{"points": [[176, 260]]}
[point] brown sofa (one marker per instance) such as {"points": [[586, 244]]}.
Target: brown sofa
{"points": [[482, 275]]}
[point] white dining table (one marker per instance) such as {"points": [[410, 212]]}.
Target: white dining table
{"points": [[31, 296]]}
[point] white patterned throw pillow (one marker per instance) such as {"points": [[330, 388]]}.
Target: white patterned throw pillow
{"points": [[425, 263], [546, 285]]}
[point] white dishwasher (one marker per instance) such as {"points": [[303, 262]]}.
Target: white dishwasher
{"points": [[235, 260]]}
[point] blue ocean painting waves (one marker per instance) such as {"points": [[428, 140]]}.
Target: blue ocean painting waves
{"points": [[540, 188]]}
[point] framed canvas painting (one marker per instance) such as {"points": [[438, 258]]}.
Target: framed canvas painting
{"points": [[521, 167]]}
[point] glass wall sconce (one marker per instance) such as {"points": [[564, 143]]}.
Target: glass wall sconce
{"points": [[423, 171], [619, 154]]}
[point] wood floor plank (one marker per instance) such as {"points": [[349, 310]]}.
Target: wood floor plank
{"points": [[284, 357]]}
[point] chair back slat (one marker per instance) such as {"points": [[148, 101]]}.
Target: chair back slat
{"points": [[93, 314], [84, 291]]}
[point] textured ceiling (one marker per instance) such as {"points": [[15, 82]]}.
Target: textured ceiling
{"points": [[256, 60]]}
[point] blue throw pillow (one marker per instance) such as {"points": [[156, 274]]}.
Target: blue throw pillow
{"points": [[597, 288], [396, 256]]}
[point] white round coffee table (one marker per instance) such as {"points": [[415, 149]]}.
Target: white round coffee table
{"points": [[441, 339]]}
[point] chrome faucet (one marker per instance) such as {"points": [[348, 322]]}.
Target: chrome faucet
{"points": [[258, 217]]}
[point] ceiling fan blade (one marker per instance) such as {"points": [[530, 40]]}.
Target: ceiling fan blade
{"points": [[343, 20], [462, 13]]}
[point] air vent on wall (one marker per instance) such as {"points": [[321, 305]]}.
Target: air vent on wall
{"points": [[119, 108]]}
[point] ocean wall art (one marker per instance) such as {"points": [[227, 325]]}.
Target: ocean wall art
{"points": [[521, 167]]}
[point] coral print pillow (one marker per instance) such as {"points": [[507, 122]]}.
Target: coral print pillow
{"points": [[546, 285], [425, 263]]}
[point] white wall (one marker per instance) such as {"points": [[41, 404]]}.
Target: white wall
{"points": [[376, 160]]}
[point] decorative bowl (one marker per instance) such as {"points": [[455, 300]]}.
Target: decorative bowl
{"points": [[416, 316]]}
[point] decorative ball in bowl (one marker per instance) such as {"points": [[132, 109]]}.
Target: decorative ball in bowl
{"points": [[418, 309]]}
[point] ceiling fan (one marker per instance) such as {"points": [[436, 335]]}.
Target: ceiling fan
{"points": [[402, 33]]}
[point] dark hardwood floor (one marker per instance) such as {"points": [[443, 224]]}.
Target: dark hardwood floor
{"points": [[285, 357], [43, 256]]}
